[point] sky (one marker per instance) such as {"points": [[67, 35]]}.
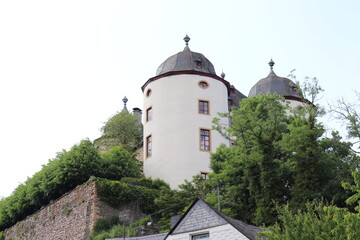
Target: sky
{"points": [[65, 66]]}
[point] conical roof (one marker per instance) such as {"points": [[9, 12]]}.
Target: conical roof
{"points": [[185, 61], [275, 84]]}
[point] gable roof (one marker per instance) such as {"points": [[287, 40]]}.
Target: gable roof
{"points": [[249, 231]]}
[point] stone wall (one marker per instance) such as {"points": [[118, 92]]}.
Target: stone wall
{"points": [[72, 216]]}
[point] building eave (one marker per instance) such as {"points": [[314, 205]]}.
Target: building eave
{"points": [[188, 72]]}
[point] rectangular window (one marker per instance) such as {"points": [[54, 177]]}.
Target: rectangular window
{"points": [[205, 236], [203, 107], [149, 114], [148, 146], [204, 140]]}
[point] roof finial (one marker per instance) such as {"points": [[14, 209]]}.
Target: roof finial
{"points": [[125, 101], [186, 39], [222, 75], [271, 64]]}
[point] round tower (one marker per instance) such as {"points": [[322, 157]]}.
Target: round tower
{"points": [[180, 102], [280, 85]]}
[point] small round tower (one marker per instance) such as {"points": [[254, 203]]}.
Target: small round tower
{"points": [[280, 85], [180, 102]]}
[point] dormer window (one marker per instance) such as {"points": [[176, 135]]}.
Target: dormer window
{"points": [[198, 63], [294, 89]]}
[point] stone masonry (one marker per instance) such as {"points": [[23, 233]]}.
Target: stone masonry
{"points": [[70, 217]]}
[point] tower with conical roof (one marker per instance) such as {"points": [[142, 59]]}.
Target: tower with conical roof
{"points": [[279, 85], [180, 102]]}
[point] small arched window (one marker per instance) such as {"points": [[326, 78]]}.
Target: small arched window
{"points": [[148, 92]]}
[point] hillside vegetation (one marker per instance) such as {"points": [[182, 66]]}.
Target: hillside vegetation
{"points": [[63, 173]]}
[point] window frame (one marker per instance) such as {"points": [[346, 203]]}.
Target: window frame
{"points": [[195, 236], [203, 87], [200, 110], [148, 92], [205, 141], [148, 116], [149, 146]]}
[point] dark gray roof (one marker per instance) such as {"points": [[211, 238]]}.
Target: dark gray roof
{"points": [[249, 231], [160, 236], [235, 97], [186, 60], [275, 84]]}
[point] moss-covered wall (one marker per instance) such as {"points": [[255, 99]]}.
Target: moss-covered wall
{"points": [[72, 216]]}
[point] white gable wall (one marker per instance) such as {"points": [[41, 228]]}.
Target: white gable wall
{"points": [[202, 219], [223, 232]]}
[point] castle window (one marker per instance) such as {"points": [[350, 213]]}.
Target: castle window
{"points": [[149, 114], [148, 146], [203, 84], [148, 92], [204, 140], [198, 63], [203, 107]]}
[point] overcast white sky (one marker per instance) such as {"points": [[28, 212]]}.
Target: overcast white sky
{"points": [[66, 65]]}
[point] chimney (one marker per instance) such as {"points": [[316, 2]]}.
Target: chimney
{"points": [[137, 113]]}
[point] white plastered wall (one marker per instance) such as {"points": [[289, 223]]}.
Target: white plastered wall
{"points": [[176, 123], [223, 232]]}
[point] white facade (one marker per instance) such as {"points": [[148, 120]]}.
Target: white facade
{"points": [[175, 123], [223, 232], [294, 103]]}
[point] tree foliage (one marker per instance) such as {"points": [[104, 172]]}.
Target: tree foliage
{"points": [[349, 113], [122, 129], [63, 173], [319, 221], [105, 229], [173, 202], [278, 158]]}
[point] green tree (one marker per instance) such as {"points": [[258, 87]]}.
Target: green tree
{"points": [[355, 198], [278, 158], [254, 169], [301, 144], [118, 163], [319, 221], [122, 129], [173, 202], [349, 113]]}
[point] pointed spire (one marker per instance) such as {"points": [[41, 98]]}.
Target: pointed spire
{"points": [[186, 39], [222, 75], [125, 101], [271, 64]]}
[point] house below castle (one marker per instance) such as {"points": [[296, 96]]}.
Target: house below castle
{"points": [[202, 222]]}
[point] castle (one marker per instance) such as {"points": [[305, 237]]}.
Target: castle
{"points": [[181, 101]]}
